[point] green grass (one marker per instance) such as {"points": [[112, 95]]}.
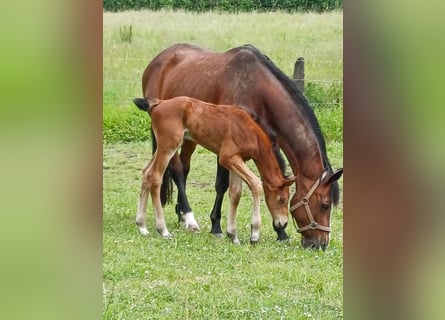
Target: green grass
{"points": [[316, 37], [195, 276], [282, 36]]}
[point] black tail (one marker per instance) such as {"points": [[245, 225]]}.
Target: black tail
{"points": [[167, 185], [141, 103]]}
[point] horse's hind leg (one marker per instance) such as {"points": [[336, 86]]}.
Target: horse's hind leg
{"points": [[221, 186], [235, 185], [179, 168]]}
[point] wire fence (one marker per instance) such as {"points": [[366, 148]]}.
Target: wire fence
{"points": [[120, 88]]}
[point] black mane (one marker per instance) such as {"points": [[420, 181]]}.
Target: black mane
{"points": [[303, 104]]}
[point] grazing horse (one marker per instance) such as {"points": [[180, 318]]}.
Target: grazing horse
{"points": [[244, 76], [229, 132]]}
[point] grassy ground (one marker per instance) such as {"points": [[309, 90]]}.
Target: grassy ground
{"points": [[195, 276], [283, 37]]}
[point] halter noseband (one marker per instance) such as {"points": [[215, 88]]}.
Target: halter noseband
{"points": [[305, 202]]}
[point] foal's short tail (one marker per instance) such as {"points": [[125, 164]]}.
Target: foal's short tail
{"points": [[167, 185], [141, 103], [146, 104]]}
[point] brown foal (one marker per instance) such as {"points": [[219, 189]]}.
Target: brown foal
{"points": [[231, 133]]}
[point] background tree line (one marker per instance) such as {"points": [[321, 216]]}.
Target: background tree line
{"points": [[224, 5]]}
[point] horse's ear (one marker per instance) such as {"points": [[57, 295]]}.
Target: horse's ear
{"points": [[288, 180], [335, 176]]}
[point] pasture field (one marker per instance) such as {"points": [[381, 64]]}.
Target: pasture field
{"points": [[196, 276], [282, 36]]}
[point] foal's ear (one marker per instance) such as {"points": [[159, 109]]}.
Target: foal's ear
{"points": [[335, 176], [288, 180]]}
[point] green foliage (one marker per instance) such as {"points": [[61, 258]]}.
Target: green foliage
{"points": [[126, 32], [130, 124], [319, 95], [331, 122], [224, 5], [317, 37], [124, 124]]}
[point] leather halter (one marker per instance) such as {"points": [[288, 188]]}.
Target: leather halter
{"points": [[305, 202]]}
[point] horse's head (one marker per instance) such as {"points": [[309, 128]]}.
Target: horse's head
{"points": [[277, 200], [311, 207]]}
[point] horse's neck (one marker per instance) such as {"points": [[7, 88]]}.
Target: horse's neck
{"points": [[296, 138], [302, 150]]}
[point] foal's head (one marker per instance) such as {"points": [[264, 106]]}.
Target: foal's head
{"points": [[311, 207], [277, 200]]}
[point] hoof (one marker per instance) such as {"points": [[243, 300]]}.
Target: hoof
{"points": [[253, 241], [165, 234], [143, 231], [193, 228], [218, 235], [234, 238], [190, 222]]}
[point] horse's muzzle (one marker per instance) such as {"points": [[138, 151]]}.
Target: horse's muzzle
{"points": [[314, 244]]}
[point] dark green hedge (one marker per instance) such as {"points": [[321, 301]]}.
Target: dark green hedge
{"points": [[224, 5]]}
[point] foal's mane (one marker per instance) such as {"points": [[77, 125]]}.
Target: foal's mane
{"points": [[299, 102]]}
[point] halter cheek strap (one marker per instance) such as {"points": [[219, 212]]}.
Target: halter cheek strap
{"points": [[305, 202]]}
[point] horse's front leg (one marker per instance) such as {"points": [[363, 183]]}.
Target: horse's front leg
{"points": [[179, 173], [221, 186], [235, 186]]}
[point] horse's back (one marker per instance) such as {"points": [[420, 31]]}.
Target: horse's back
{"points": [[223, 128], [216, 77], [216, 127]]}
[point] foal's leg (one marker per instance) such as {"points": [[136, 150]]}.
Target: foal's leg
{"points": [[154, 177], [236, 164], [151, 183], [141, 216], [235, 186]]}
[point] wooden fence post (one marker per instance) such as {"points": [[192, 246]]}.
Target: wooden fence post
{"points": [[299, 73]]}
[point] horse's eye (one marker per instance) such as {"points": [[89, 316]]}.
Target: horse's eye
{"points": [[325, 206]]}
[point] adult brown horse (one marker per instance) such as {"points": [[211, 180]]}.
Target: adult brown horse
{"points": [[232, 134], [244, 76]]}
